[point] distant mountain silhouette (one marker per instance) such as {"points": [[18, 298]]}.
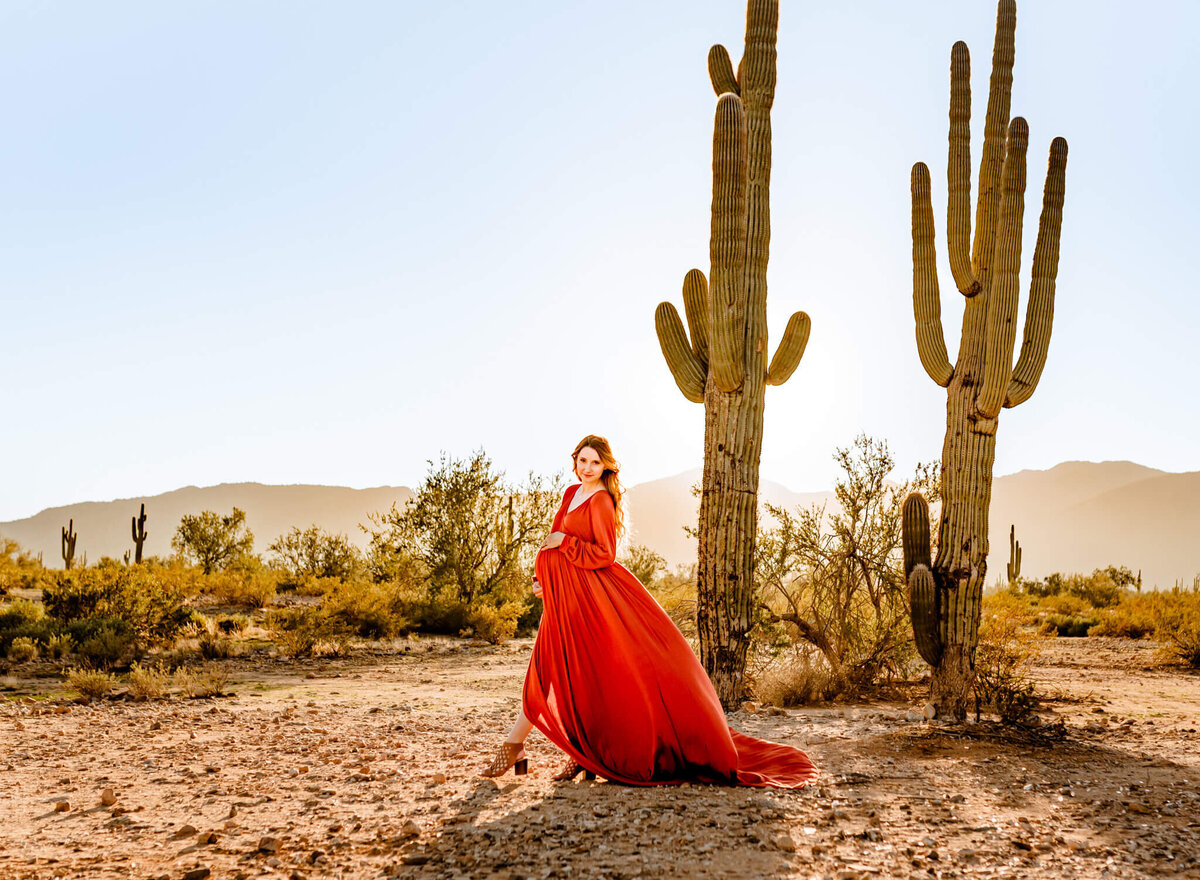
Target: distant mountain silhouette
{"points": [[271, 511], [1076, 516]]}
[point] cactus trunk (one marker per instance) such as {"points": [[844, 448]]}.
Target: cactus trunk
{"points": [[724, 364], [946, 601]]}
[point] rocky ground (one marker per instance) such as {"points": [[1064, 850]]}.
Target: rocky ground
{"points": [[365, 767]]}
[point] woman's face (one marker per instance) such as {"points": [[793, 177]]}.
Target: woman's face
{"points": [[587, 465]]}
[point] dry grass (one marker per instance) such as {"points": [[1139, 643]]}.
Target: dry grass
{"points": [[92, 684], [148, 682]]}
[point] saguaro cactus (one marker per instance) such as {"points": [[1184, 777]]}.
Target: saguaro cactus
{"points": [[68, 543], [1014, 556], [137, 526], [722, 363], [983, 380]]}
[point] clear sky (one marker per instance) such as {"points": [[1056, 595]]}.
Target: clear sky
{"points": [[310, 242]]}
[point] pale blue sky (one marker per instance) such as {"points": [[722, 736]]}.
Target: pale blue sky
{"points": [[320, 242]]}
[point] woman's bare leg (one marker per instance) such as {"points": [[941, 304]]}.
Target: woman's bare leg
{"points": [[520, 728]]}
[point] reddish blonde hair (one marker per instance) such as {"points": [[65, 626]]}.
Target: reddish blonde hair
{"points": [[609, 478]]}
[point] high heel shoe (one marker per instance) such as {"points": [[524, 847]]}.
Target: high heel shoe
{"points": [[573, 769], [508, 755]]}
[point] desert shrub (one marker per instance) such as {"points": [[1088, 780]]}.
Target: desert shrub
{"points": [[210, 680], [796, 678], [494, 623], [148, 682], [154, 610], [243, 587], [1099, 589], [315, 554], [1184, 642], [366, 609], [305, 630], [213, 541], [1013, 603], [22, 650], [59, 646], [91, 684], [215, 645], [18, 569], [1002, 682], [233, 624], [24, 620], [102, 642], [836, 580], [1068, 625], [643, 563]]}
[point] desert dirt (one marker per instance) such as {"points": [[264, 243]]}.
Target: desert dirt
{"points": [[366, 766]]}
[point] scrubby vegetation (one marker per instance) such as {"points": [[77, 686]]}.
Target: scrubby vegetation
{"points": [[831, 584]]}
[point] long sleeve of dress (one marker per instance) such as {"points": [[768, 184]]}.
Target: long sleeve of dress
{"points": [[602, 551]]}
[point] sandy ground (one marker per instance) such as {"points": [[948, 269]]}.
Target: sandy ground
{"points": [[365, 767]]}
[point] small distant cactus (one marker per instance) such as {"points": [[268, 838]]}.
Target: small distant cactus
{"points": [[68, 543], [1014, 557], [138, 528]]}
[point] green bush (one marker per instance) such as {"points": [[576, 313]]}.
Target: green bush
{"points": [[103, 642], [1068, 625], [22, 650], [24, 620], [305, 630], [152, 608], [366, 609]]}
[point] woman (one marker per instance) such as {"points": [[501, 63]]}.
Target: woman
{"points": [[612, 682]]}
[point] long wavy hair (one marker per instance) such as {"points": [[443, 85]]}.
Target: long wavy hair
{"points": [[609, 479]]}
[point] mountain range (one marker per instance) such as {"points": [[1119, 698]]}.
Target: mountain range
{"points": [[1076, 516]]}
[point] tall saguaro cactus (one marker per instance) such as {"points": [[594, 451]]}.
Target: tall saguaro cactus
{"points": [[137, 526], [68, 543], [1014, 556], [946, 595], [722, 363]]}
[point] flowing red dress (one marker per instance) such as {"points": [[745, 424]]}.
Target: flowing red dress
{"points": [[614, 684]]}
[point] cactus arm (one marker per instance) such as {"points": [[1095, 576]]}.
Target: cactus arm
{"points": [[958, 172], [1006, 281], [791, 349], [1039, 314], [720, 71], [685, 366], [695, 307], [914, 531], [757, 69], [992, 163], [727, 293], [923, 599], [927, 299]]}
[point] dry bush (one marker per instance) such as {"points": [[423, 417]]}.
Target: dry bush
{"points": [[91, 684], [153, 608], [214, 645], [22, 650], [368, 610], [305, 630], [148, 682], [836, 579], [242, 588], [1002, 682], [59, 646], [494, 624], [796, 678], [209, 680]]}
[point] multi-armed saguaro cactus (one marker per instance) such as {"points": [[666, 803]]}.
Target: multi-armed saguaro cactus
{"points": [[724, 363], [1014, 556], [68, 543], [946, 595], [137, 526]]}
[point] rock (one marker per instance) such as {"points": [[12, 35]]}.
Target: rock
{"points": [[929, 711], [410, 829], [775, 710], [268, 844], [207, 837], [108, 797], [749, 706], [438, 778], [913, 715], [784, 841], [185, 831], [196, 874], [157, 725], [62, 807]]}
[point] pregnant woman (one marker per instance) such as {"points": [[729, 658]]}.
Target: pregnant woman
{"points": [[612, 682]]}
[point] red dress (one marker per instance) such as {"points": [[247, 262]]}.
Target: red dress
{"points": [[613, 683]]}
